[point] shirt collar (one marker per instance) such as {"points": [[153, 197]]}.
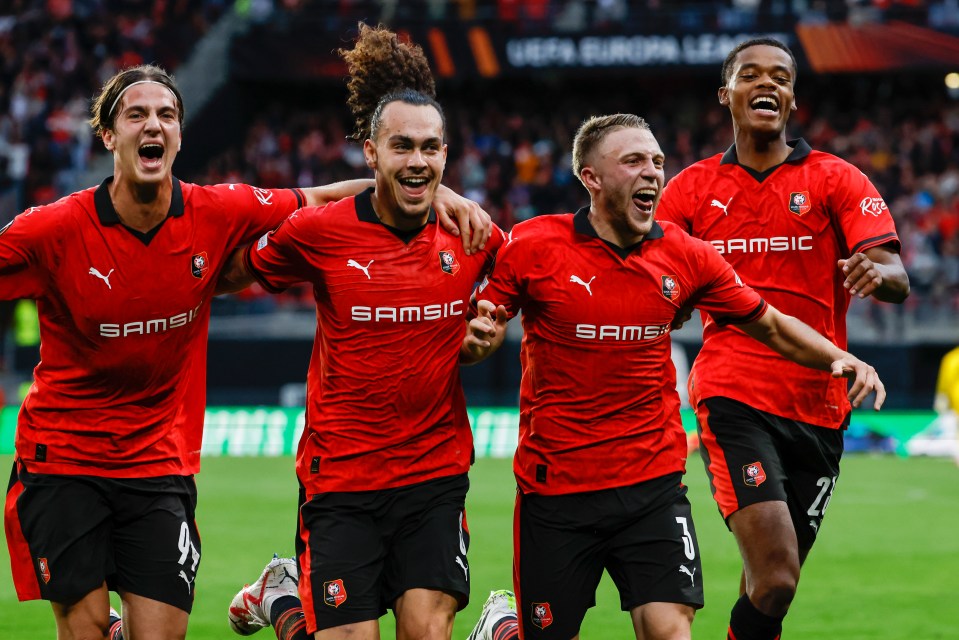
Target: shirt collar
{"points": [[800, 149], [581, 224], [108, 214], [365, 212]]}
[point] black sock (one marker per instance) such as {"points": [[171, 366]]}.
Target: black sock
{"points": [[286, 616], [746, 622]]}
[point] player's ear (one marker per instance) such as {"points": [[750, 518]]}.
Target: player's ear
{"points": [[590, 180], [723, 96], [369, 153], [108, 140]]}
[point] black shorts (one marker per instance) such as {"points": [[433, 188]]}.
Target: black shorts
{"points": [[752, 456], [359, 551], [643, 535], [68, 534]]}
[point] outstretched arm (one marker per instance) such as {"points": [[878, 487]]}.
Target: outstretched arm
{"points": [[878, 272], [235, 276], [484, 333], [458, 215], [798, 342]]}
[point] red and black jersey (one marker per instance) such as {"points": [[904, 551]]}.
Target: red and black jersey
{"points": [[385, 407], [783, 231], [598, 401], [120, 390]]}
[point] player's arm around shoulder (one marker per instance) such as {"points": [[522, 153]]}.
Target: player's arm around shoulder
{"points": [[797, 341], [235, 275], [878, 272]]}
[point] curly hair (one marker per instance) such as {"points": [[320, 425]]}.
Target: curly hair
{"points": [[383, 70]]}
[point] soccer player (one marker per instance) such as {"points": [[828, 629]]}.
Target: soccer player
{"points": [[601, 449], [939, 438], [383, 459], [807, 231], [108, 438]]}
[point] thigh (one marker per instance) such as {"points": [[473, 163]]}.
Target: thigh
{"points": [[58, 535], [558, 562], [341, 556], [86, 617], [432, 538], [738, 446], [654, 557], [811, 458], [156, 545]]}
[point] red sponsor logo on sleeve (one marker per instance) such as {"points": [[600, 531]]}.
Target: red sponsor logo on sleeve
{"points": [[873, 206]]}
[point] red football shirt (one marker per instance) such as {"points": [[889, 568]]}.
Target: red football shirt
{"points": [[598, 401], [120, 389], [783, 231], [385, 407]]}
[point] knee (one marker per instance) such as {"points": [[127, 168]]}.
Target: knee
{"points": [[773, 593], [435, 626]]}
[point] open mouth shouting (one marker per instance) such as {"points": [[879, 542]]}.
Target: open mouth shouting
{"points": [[765, 106], [151, 156], [644, 199], [414, 186]]}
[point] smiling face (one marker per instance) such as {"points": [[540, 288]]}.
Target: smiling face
{"points": [[625, 176], [759, 91], [408, 156], [145, 136]]}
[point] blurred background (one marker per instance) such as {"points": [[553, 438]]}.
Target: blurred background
{"points": [[265, 104]]}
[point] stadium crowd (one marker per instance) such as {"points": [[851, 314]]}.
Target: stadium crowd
{"points": [[512, 146], [55, 55], [511, 153]]}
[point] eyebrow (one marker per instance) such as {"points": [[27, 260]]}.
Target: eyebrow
{"points": [[642, 154], [401, 138], [778, 67]]}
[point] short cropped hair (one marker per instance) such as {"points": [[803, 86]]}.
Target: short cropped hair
{"points": [[594, 130]]}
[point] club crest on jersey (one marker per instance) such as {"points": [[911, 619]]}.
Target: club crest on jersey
{"points": [[753, 474], [334, 593], [799, 202], [44, 567], [199, 264], [670, 287], [542, 616], [448, 262]]}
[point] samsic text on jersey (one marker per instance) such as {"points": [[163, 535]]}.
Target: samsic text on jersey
{"points": [[120, 390], [784, 232], [598, 401], [385, 407]]}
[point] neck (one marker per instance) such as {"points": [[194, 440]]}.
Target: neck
{"points": [[612, 230], [141, 206], [760, 153], [391, 217]]}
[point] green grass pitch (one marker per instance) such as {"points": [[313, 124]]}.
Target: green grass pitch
{"points": [[886, 565]]}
